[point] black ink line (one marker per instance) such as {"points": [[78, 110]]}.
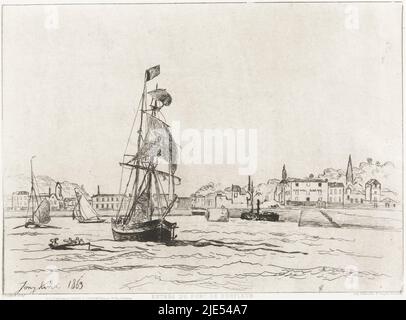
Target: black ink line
{"points": [[2, 145], [213, 3], [403, 150], [195, 3]]}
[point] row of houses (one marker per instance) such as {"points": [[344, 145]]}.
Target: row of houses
{"points": [[300, 192], [110, 201], [321, 192], [19, 200], [234, 196], [288, 191], [100, 201], [304, 192]]}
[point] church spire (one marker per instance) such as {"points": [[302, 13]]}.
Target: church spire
{"points": [[284, 174], [349, 178]]}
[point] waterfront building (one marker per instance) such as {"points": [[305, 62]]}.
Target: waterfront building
{"points": [[231, 197], [184, 203], [54, 202], [354, 192], [336, 193], [19, 200], [308, 191], [109, 201], [389, 203], [373, 191], [236, 194], [69, 203], [198, 201]]}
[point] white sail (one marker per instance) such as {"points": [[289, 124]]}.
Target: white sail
{"points": [[158, 142], [85, 209]]}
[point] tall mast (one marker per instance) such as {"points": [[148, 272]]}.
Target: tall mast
{"points": [[137, 170], [251, 192], [169, 177], [142, 185], [170, 171], [252, 199], [157, 193], [78, 198], [173, 184], [32, 189], [150, 205]]}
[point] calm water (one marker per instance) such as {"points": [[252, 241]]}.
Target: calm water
{"points": [[240, 255]]}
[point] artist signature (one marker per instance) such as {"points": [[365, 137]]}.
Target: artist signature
{"points": [[27, 288]]}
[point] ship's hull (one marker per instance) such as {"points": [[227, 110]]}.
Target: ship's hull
{"points": [[70, 246], [199, 211], [155, 230], [219, 220], [91, 220], [267, 216], [34, 225]]}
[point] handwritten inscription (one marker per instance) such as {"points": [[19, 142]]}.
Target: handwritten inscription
{"points": [[27, 288], [76, 283], [44, 286]]}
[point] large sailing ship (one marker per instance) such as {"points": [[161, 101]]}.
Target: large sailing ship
{"points": [[151, 178]]}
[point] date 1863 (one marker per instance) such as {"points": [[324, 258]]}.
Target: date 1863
{"points": [[76, 283]]}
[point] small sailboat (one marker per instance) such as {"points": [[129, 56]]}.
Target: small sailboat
{"points": [[38, 213], [83, 211], [153, 163]]}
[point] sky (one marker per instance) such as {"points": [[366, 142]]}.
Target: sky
{"points": [[317, 82]]}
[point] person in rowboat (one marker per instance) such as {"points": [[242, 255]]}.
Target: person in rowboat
{"points": [[54, 241], [69, 241], [79, 240]]}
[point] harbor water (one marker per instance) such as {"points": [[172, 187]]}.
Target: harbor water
{"points": [[234, 256]]}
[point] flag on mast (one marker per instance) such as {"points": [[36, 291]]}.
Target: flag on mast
{"points": [[151, 73]]}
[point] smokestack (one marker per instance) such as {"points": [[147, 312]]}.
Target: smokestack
{"points": [[49, 191], [249, 183], [98, 190]]}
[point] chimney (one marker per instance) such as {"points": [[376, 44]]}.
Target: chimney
{"points": [[98, 190], [49, 191]]}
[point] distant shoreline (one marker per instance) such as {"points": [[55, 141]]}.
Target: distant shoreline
{"points": [[68, 213], [354, 218]]}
